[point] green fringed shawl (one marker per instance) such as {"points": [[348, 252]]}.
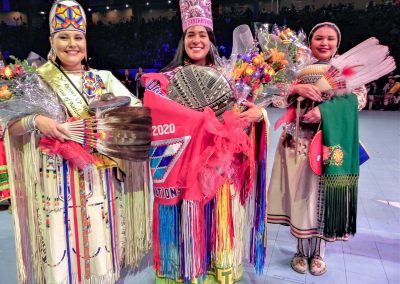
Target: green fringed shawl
{"points": [[341, 170]]}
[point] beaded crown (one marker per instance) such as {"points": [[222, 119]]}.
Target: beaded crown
{"points": [[67, 15], [196, 13]]}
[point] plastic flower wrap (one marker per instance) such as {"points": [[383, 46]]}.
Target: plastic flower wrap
{"points": [[293, 45], [287, 45], [259, 74], [22, 93], [255, 70]]}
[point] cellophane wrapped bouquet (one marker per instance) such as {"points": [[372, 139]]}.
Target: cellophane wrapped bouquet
{"points": [[266, 66], [22, 93]]}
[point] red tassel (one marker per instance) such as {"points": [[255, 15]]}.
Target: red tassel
{"points": [[156, 239], [348, 71], [289, 116], [69, 150], [230, 221]]}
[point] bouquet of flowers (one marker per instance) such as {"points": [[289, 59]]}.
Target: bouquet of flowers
{"points": [[254, 70], [265, 67], [292, 44], [22, 93]]}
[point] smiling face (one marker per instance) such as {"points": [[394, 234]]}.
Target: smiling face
{"points": [[197, 44], [70, 48], [324, 43]]}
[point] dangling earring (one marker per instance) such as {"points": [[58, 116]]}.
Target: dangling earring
{"points": [[186, 61], [52, 55], [85, 64]]}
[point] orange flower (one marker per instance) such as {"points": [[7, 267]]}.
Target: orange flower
{"points": [[239, 69], [257, 60], [277, 56], [5, 94]]}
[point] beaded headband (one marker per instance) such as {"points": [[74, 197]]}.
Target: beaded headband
{"points": [[67, 15]]}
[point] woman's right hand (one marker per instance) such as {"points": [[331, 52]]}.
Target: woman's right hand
{"points": [[308, 91], [50, 128]]}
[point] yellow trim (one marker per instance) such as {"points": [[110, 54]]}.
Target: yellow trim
{"points": [[74, 102]]}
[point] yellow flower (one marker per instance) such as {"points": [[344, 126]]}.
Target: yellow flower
{"points": [[8, 72], [271, 72], [238, 71], [337, 156], [5, 94], [250, 69], [257, 60], [285, 35]]}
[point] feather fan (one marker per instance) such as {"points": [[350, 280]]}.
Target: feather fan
{"points": [[122, 132], [364, 63]]}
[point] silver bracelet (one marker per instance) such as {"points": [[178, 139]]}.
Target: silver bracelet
{"points": [[29, 123], [34, 128]]}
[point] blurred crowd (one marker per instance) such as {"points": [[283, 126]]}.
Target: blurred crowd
{"points": [[384, 94]]}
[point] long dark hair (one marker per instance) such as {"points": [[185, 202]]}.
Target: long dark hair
{"points": [[180, 54]]}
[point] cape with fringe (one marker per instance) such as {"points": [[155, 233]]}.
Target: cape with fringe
{"points": [[209, 183], [75, 225]]}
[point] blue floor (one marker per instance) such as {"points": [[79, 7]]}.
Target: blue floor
{"points": [[372, 256]]}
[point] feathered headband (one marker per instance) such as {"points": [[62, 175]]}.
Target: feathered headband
{"points": [[67, 15]]}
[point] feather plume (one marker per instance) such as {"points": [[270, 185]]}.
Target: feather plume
{"points": [[119, 133], [360, 65]]}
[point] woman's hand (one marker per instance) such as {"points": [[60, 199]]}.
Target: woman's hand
{"points": [[313, 116], [50, 128], [253, 114], [307, 91]]}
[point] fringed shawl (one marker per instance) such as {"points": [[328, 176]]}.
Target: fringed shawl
{"points": [[341, 170]]}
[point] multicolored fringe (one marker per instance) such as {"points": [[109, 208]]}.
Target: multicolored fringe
{"points": [[167, 241], [340, 214], [195, 243], [193, 239], [224, 252], [203, 246], [210, 233], [258, 232]]}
